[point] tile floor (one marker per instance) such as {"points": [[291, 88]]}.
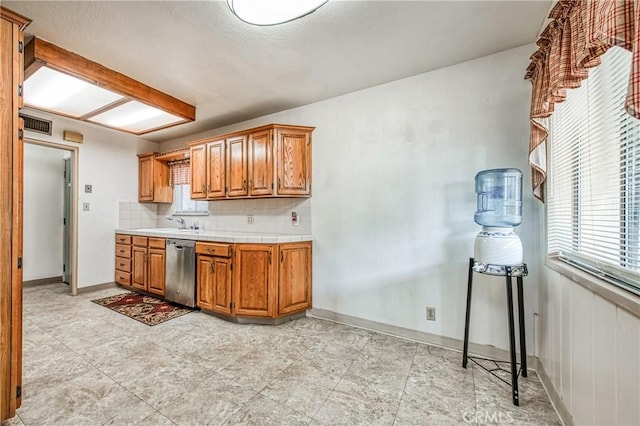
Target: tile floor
{"points": [[87, 365]]}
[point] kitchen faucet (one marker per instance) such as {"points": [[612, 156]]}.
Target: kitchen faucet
{"points": [[183, 224]]}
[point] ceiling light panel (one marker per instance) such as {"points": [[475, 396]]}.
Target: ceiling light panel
{"points": [[136, 117], [66, 83], [58, 92], [272, 12]]}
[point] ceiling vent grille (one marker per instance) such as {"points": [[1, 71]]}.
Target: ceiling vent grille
{"points": [[37, 125]]}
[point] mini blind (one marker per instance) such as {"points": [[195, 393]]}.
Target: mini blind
{"points": [[593, 193]]}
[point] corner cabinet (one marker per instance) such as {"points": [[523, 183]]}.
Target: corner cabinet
{"points": [[11, 214], [253, 281], [294, 277], [153, 180], [247, 164]]}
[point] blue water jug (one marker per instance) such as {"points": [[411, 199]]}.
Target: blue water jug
{"points": [[499, 193]]}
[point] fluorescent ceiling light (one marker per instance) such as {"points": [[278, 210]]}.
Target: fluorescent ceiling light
{"points": [[65, 83], [135, 117], [56, 91], [272, 12]]}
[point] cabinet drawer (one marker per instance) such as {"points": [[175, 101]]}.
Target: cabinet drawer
{"points": [[140, 241], [123, 264], [123, 278], [214, 249], [160, 243], [123, 239], [123, 250]]}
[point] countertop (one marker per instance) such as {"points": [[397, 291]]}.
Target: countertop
{"points": [[218, 236]]}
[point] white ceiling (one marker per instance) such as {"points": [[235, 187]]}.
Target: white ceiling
{"points": [[199, 52]]}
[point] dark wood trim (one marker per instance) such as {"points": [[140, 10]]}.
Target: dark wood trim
{"points": [[73, 64], [14, 17]]}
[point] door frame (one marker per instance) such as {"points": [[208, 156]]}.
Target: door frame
{"points": [[74, 205]]}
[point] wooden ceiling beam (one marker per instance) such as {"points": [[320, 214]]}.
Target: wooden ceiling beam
{"points": [[39, 52]]}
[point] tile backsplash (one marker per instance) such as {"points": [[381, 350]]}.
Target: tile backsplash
{"points": [[270, 216], [132, 215]]}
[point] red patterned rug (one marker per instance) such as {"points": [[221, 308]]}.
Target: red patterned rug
{"points": [[146, 309]]}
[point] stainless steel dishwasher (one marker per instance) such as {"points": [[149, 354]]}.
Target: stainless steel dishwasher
{"points": [[180, 284]]}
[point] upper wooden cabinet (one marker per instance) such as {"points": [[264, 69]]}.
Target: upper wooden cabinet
{"points": [[249, 163], [237, 166], [153, 180], [208, 174], [260, 162], [294, 161]]}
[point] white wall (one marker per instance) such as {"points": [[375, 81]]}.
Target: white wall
{"points": [[43, 211], [393, 194], [108, 162]]}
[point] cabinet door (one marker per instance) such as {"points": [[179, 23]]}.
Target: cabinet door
{"points": [[204, 282], [294, 278], [198, 170], [145, 178], [237, 166], [216, 169], [156, 277], [261, 163], [294, 162], [253, 280], [139, 274], [221, 285]]}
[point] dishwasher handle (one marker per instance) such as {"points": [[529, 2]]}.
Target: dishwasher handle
{"points": [[181, 244]]}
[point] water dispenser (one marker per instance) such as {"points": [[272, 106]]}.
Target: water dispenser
{"points": [[499, 209]]}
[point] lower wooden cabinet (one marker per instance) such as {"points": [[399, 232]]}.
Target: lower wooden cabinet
{"points": [[123, 259], [257, 281], [148, 260], [214, 284], [235, 280], [254, 280], [294, 277]]}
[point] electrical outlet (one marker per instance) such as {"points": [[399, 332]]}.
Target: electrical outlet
{"points": [[85, 207], [88, 189], [295, 219], [250, 219], [431, 313]]}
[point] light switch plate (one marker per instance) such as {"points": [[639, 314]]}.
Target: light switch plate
{"points": [[88, 189], [85, 207]]}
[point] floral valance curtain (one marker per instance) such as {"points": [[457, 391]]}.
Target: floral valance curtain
{"points": [[179, 172], [580, 31]]}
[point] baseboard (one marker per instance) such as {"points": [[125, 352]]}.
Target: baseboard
{"points": [[486, 351], [554, 396], [40, 281], [96, 287]]}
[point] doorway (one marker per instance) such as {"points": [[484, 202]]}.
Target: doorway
{"points": [[50, 225]]}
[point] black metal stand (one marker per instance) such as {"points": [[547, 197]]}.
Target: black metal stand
{"points": [[518, 271]]}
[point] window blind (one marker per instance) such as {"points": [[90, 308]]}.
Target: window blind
{"points": [[593, 198]]}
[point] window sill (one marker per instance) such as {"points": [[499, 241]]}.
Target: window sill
{"points": [[618, 296]]}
